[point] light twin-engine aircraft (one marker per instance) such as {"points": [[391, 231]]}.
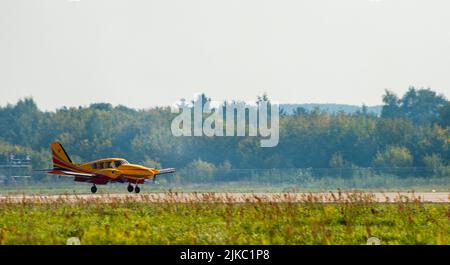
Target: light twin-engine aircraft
{"points": [[102, 171]]}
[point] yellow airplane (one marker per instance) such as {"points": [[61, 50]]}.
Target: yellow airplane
{"points": [[102, 171]]}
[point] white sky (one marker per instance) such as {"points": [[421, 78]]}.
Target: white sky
{"points": [[142, 53]]}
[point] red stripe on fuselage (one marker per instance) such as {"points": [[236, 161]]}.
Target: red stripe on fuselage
{"points": [[70, 166], [97, 179]]}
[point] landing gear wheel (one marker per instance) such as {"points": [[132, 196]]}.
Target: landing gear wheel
{"points": [[94, 189], [137, 189], [130, 188]]}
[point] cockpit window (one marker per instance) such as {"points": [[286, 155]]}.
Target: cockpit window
{"points": [[120, 162]]}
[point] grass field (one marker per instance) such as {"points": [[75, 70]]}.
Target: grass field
{"points": [[351, 222]]}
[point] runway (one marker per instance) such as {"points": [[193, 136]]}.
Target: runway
{"points": [[210, 197]]}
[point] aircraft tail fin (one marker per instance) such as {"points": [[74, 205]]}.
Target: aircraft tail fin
{"points": [[61, 159]]}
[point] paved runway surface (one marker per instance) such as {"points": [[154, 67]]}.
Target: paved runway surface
{"points": [[188, 197]]}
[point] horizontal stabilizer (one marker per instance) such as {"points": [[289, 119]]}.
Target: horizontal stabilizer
{"points": [[77, 174], [65, 173]]}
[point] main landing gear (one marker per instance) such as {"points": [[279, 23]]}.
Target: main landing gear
{"points": [[130, 188], [93, 189], [136, 189]]}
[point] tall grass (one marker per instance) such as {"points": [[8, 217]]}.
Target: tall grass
{"points": [[351, 220]]}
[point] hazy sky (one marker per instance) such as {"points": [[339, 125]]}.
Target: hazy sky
{"points": [[146, 53]]}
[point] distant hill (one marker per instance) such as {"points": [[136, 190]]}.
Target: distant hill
{"points": [[330, 107]]}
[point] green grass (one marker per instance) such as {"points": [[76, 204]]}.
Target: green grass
{"points": [[224, 223]]}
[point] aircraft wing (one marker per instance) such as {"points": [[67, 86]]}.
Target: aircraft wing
{"points": [[165, 171], [67, 173]]}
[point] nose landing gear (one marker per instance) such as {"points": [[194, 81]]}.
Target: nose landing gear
{"points": [[93, 189]]}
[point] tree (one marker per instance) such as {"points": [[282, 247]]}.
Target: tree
{"points": [[338, 161], [199, 170], [394, 156], [436, 166], [391, 107], [444, 115], [421, 106], [148, 162], [300, 111], [313, 138], [433, 161]]}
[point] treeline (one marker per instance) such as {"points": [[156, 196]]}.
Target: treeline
{"points": [[413, 130]]}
